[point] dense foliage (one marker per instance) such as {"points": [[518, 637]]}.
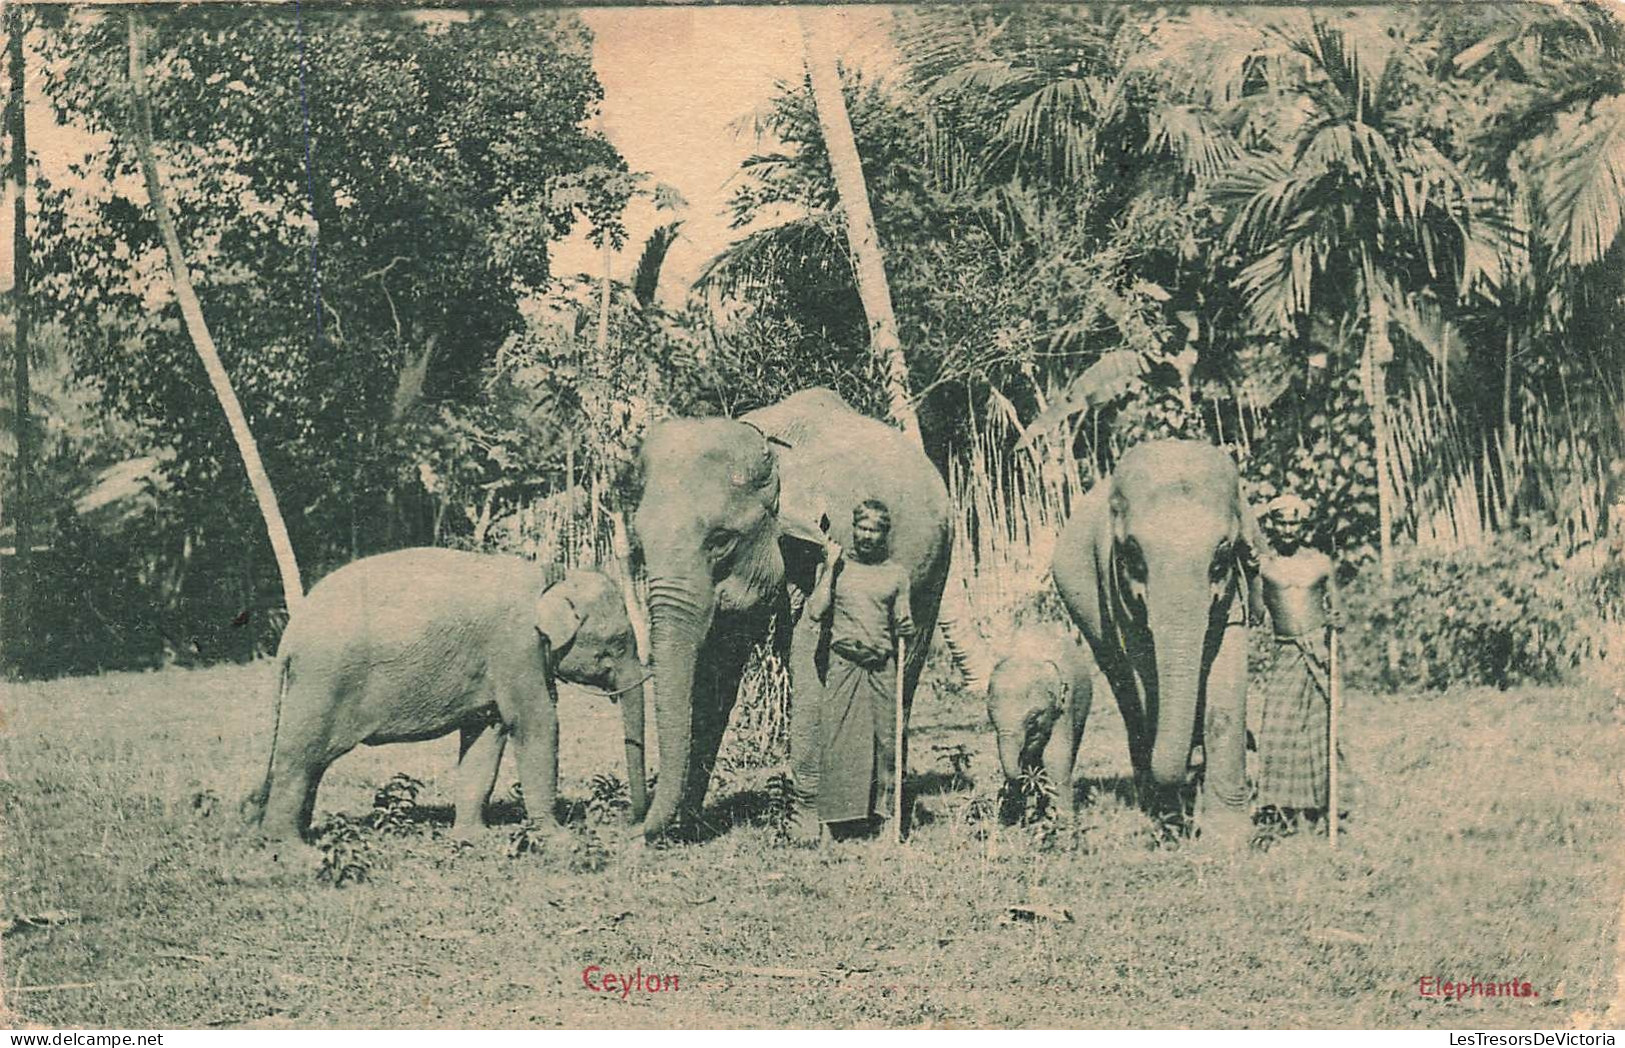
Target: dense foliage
{"points": [[1500, 615], [366, 200], [1323, 240]]}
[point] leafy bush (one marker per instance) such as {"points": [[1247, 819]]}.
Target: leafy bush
{"points": [[393, 805], [610, 799], [1498, 614], [958, 759], [781, 806], [526, 839], [345, 849]]}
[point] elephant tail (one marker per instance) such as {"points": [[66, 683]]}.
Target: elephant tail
{"points": [[253, 806]]}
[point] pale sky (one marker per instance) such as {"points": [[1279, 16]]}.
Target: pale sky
{"points": [[674, 80]]}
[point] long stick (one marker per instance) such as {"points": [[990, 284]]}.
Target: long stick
{"points": [[1335, 697], [897, 740]]}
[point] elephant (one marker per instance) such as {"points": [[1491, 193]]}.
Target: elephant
{"points": [[727, 523], [411, 645], [1038, 699], [1158, 568]]}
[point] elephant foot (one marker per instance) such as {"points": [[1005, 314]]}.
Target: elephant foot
{"points": [[470, 830], [1228, 829]]}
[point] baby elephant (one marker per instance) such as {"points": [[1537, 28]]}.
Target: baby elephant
{"points": [[1038, 700], [411, 645]]}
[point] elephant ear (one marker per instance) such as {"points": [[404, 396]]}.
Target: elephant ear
{"points": [[557, 619], [1251, 538], [801, 519], [793, 527]]}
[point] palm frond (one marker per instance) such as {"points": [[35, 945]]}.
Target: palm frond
{"points": [[1112, 376], [1263, 195], [1203, 146], [1053, 122], [1582, 182], [765, 257], [646, 278]]}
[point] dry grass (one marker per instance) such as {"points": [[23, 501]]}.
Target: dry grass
{"points": [[1486, 844]]}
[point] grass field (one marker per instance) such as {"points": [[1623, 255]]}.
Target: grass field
{"points": [[1486, 844]]}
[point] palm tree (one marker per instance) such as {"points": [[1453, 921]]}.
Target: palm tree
{"points": [[868, 262], [1026, 95], [1551, 127], [198, 328], [1340, 206]]}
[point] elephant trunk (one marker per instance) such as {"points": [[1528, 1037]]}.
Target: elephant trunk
{"points": [[1179, 634], [680, 610]]}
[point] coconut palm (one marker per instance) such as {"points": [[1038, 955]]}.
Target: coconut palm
{"points": [[196, 325], [868, 261], [1341, 204], [1547, 86]]}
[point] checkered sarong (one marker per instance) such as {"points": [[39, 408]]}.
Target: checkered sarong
{"points": [[1292, 734]]}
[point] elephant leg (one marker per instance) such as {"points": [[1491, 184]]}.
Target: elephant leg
{"points": [[1012, 802], [302, 750], [482, 744], [292, 799], [534, 726], [806, 728], [1226, 807], [1060, 756]]}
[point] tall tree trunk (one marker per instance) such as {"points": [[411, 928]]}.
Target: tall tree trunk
{"points": [[867, 260], [1374, 363], [18, 581], [202, 341], [869, 263]]}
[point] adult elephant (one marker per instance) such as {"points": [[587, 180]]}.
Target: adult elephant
{"points": [[728, 515], [1156, 570]]}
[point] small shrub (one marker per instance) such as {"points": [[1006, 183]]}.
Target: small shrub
{"points": [[781, 806], [345, 850], [526, 839], [205, 803], [958, 759], [978, 812], [1499, 615], [610, 799], [394, 804]]}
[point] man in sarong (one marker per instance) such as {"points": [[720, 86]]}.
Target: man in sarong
{"points": [[1299, 589], [864, 599]]}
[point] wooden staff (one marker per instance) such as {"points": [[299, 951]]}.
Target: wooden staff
{"points": [[897, 739], [1334, 696]]}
